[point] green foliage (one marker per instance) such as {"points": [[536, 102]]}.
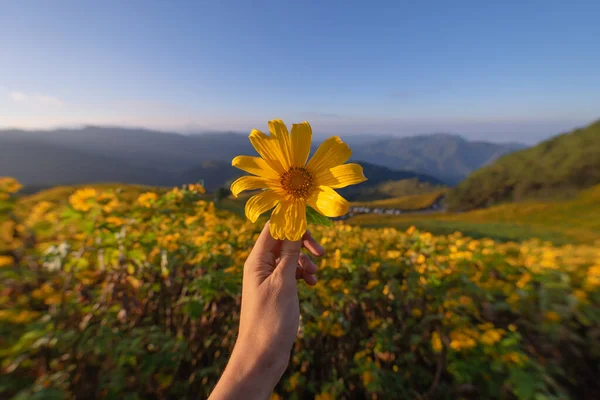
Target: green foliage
{"points": [[421, 201], [313, 217], [555, 168], [103, 296], [569, 221], [221, 194]]}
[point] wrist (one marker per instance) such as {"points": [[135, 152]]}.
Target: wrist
{"points": [[250, 374]]}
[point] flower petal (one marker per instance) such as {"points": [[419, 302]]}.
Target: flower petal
{"points": [[255, 166], [280, 133], [327, 202], [340, 176], [301, 141], [331, 153], [288, 220], [248, 183], [269, 149], [260, 203]]}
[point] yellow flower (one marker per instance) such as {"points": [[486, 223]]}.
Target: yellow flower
{"points": [[324, 396], [593, 276], [514, 358], [5, 261], [386, 290], [196, 187], [9, 185], [372, 283], [552, 316], [436, 342], [290, 182], [80, 200], [491, 337], [463, 339], [367, 377], [116, 221], [147, 199], [336, 330]]}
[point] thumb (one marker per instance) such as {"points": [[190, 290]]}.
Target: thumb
{"points": [[288, 259]]}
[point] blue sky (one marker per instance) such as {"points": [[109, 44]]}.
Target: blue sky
{"points": [[495, 70]]}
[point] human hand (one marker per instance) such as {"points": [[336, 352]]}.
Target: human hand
{"points": [[269, 317]]}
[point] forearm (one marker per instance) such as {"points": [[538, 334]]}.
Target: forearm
{"points": [[248, 377]]}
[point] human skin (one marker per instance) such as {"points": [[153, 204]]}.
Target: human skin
{"points": [[269, 316]]}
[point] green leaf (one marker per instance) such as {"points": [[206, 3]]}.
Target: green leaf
{"points": [[313, 217]]}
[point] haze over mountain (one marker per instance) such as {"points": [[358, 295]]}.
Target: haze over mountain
{"points": [[100, 154], [446, 156]]}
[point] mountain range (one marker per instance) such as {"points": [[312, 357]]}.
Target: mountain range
{"points": [[114, 154]]}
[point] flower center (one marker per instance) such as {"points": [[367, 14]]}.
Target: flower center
{"points": [[297, 182]]}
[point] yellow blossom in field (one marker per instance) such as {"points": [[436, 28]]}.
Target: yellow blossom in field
{"points": [[552, 316], [81, 200], [393, 254], [291, 183], [9, 185], [196, 187], [372, 283], [386, 290], [465, 301], [463, 339], [336, 330], [436, 342], [412, 229], [512, 327], [336, 259], [514, 358], [170, 241], [415, 312], [523, 281], [491, 337], [147, 199], [580, 295], [367, 377], [374, 267], [593, 277], [18, 317], [375, 323], [116, 221], [5, 261], [39, 212], [324, 396], [191, 219], [293, 381], [336, 284]]}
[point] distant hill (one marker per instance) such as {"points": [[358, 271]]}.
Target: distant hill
{"points": [[450, 158], [42, 164], [100, 154], [556, 168], [164, 151]]}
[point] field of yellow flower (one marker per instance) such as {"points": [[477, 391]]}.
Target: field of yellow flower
{"points": [[121, 293]]}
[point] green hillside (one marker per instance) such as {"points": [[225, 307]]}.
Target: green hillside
{"points": [[576, 220], [410, 202], [557, 168]]}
